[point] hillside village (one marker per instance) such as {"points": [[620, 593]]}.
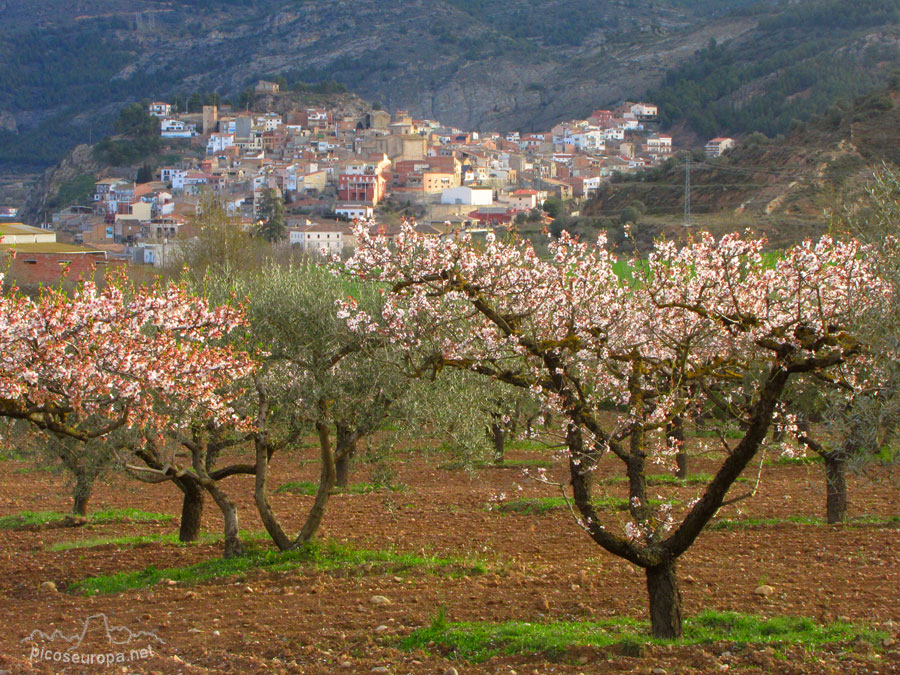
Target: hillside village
{"points": [[331, 167]]}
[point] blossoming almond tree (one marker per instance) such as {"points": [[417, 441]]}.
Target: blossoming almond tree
{"points": [[694, 327], [86, 364], [65, 359]]}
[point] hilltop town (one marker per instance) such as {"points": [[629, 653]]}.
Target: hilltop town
{"points": [[331, 167]]}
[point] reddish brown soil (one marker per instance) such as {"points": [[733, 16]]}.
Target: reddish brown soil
{"points": [[543, 568]]}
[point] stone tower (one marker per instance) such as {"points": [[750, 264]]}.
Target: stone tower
{"points": [[210, 118]]}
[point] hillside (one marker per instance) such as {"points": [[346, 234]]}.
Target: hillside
{"points": [[782, 186], [67, 67], [71, 180], [792, 64]]}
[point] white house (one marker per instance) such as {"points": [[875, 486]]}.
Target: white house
{"points": [[175, 177], [169, 128], [471, 196], [644, 111], [531, 141], [659, 145], [18, 233], [316, 117], [218, 142], [269, 122], [717, 146], [157, 254], [523, 200], [357, 211], [159, 109], [591, 185], [321, 238], [589, 139]]}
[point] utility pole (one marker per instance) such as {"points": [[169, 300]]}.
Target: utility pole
{"points": [[687, 192]]}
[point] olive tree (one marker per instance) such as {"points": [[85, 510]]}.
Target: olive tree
{"points": [[850, 416], [316, 372]]}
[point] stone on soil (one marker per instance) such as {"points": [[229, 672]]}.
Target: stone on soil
{"points": [[765, 590]]}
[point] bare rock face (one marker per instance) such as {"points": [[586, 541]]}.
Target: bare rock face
{"points": [[79, 161]]}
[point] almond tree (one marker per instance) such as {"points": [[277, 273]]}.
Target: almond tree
{"points": [[85, 364], [856, 408], [704, 319]]}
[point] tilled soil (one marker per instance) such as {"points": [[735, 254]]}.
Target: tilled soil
{"points": [[541, 568]]}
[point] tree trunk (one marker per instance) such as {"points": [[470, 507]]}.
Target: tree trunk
{"points": [[498, 435], [191, 510], [326, 485], [233, 545], [777, 433], [665, 601], [344, 451], [84, 485], [681, 464], [836, 487], [266, 514], [675, 439]]}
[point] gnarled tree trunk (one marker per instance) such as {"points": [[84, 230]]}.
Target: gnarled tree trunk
{"points": [[233, 545], [675, 439], [326, 485], [84, 486], [345, 449], [270, 521], [191, 509], [836, 487], [665, 601], [498, 436]]}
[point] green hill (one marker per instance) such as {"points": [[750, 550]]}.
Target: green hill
{"points": [[794, 63], [780, 186]]}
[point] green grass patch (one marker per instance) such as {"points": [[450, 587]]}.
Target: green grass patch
{"points": [[529, 445], [35, 468], [170, 538], [731, 433], [534, 506], [309, 488], [632, 272], [730, 524], [667, 479], [477, 641], [506, 464], [785, 460], [537, 506], [48, 518], [322, 556]]}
